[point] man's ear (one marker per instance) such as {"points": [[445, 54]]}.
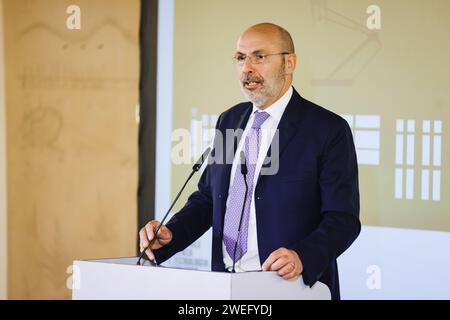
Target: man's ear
{"points": [[290, 63]]}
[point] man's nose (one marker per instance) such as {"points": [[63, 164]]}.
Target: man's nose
{"points": [[247, 66]]}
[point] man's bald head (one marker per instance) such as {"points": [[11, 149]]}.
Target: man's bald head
{"points": [[278, 33], [266, 62]]}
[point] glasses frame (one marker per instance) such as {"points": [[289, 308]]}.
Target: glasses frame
{"points": [[254, 56]]}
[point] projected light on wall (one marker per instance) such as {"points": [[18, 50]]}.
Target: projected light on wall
{"points": [[430, 172], [366, 133]]}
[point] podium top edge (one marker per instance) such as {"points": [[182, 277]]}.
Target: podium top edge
{"points": [[131, 261]]}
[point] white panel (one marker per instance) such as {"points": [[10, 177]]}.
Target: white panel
{"points": [[201, 252], [426, 126], [395, 252], [201, 249], [409, 186], [411, 126], [398, 183], [164, 105], [437, 151], [214, 119], [368, 157], [369, 122], [349, 119], [205, 120], [426, 150], [367, 139], [399, 149], [410, 149], [194, 135], [438, 127], [436, 185], [206, 140], [425, 185], [400, 126], [3, 213]]}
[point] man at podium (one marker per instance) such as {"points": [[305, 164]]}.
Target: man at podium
{"points": [[295, 220]]}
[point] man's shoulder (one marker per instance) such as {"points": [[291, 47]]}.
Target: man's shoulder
{"points": [[238, 109], [231, 115], [319, 115]]}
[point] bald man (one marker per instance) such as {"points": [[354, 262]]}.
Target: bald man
{"points": [[294, 208]]}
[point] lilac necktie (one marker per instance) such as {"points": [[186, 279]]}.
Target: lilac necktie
{"points": [[237, 192]]}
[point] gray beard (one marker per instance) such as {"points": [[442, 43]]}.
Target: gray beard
{"points": [[267, 93], [269, 90]]}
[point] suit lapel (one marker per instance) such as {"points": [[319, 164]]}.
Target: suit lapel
{"points": [[290, 121], [287, 128], [242, 122]]}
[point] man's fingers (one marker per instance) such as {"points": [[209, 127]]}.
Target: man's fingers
{"points": [[143, 239], [150, 254], [148, 238], [164, 233], [290, 275], [271, 259], [286, 269], [150, 231], [280, 263], [286, 262], [146, 235]]}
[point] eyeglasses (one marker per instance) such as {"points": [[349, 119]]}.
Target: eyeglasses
{"points": [[255, 58]]}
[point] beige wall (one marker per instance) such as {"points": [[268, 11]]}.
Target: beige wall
{"points": [[71, 139], [3, 220]]}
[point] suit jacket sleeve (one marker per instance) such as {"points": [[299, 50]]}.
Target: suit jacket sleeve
{"points": [[339, 226]]}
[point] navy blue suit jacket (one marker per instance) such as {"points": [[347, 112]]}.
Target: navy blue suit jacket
{"points": [[311, 205]]}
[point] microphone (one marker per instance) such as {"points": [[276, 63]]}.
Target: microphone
{"points": [[195, 168], [244, 171]]}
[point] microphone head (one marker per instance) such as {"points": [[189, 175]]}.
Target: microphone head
{"points": [[244, 170], [202, 159]]}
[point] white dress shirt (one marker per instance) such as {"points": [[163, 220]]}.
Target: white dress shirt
{"points": [[250, 260]]}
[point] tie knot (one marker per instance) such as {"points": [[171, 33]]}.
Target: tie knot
{"points": [[260, 117]]}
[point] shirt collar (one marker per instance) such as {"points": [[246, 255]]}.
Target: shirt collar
{"points": [[277, 108]]}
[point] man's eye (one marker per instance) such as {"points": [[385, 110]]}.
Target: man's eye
{"points": [[240, 58], [260, 57]]}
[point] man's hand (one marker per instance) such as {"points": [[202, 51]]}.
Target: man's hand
{"points": [[148, 240], [286, 262]]}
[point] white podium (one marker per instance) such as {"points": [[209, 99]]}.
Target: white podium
{"points": [[123, 279]]}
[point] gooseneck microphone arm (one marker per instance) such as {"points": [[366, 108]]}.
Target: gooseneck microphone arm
{"points": [[244, 171], [195, 168]]}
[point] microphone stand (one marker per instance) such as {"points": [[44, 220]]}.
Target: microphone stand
{"points": [[195, 168]]}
